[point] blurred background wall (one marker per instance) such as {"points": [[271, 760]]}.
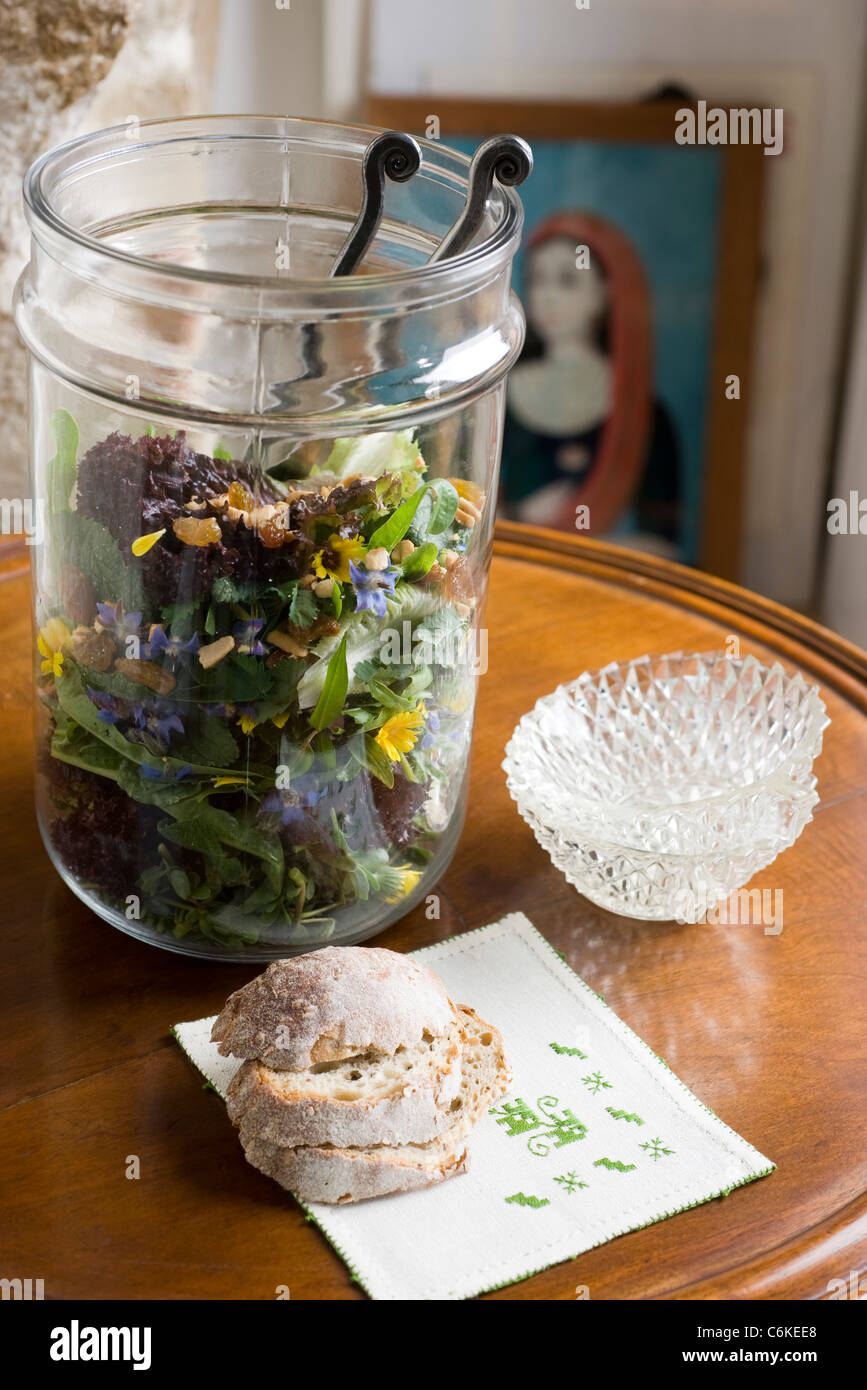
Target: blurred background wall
{"points": [[807, 411]]}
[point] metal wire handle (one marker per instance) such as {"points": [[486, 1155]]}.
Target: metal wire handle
{"points": [[507, 158], [391, 155]]}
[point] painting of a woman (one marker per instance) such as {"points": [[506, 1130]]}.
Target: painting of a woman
{"points": [[587, 444]]}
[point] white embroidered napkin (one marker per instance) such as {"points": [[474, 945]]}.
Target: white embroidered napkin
{"points": [[597, 1136]]}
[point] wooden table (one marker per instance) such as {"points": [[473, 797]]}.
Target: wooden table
{"points": [[768, 1030]]}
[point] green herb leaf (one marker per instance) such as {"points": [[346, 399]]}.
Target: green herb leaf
{"points": [[394, 530], [375, 761], [419, 561], [61, 469], [221, 452], [302, 607], [334, 689], [445, 504], [92, 548], [388, 699]]}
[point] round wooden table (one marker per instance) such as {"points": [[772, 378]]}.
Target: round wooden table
{"points": [[768, 1030]]}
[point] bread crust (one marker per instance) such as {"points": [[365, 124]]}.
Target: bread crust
{"points": [[346, 1175], [339, 1002]]}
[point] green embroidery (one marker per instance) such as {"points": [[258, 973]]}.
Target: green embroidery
{"points": [[568, 1051], [523, 1201], [570, 1182], [656, 1149], [614, 1163], [624, 1115], [517, 1117], [596, 1082]]}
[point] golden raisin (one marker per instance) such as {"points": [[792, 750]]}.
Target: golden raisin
{"points": [[194, 530], [240, 497], [468, 490], [272, 532]]}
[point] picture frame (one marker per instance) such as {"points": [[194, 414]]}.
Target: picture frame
{"points": [[691, 373]]}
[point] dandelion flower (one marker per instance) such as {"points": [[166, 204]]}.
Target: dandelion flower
{"points": [[399, 733]]}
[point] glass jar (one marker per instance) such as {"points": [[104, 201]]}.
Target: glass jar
{"points": [[268, 499]]}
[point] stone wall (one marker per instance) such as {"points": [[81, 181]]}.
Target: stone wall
{"points": [[68, 68]]}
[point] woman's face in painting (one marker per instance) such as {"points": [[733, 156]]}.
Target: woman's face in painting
{"points": [[564, 303]]}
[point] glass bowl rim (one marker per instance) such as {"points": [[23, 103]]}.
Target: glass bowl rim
{"points": [[625, 813]]}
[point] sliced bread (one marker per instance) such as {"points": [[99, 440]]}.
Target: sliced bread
{"points": [[340, 1002], [330, 1173], [405, 1098]]}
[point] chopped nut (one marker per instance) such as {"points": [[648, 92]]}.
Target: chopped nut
{"points": [[233, 513], [91, 648], [146, 673], [197, 530], [215, 651], [435, 575], [257, 516], [324, 588], [195, 504], [376, 559], [449, 558], [287, 643], [307, 581], [467, 513], [401, 550]]}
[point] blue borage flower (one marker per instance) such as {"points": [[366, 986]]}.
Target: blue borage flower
{"points": [[246, 635], [292, 803], [121, 624], [372, 587], [160, 644], [106, 705], [432, 724], [164, 773], [156, 717]]}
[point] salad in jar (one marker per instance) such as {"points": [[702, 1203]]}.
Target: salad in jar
{"points": [[257, 687]]}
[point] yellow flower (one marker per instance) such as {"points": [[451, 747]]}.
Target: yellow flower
{"points": [[346, 549], [247, 723], [408, 881], [228, 781], [50, 641], [399, 733], [280, 719]]}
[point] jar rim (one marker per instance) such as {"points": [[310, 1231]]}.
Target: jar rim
{"points": [[98, 144]]}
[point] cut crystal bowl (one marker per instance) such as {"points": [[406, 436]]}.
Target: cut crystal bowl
{"points": [[659, 786]]}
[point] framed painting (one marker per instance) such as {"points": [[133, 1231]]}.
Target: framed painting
{"points": [[626, 412]]}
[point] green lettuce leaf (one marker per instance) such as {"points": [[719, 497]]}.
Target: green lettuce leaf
{"points": [[363, 632], [372, 454]]}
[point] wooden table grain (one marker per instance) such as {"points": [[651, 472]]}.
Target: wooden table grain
{"points": [[768, 1030]]}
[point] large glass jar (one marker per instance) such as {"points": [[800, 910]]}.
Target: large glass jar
{"points": [[268, 498]]}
